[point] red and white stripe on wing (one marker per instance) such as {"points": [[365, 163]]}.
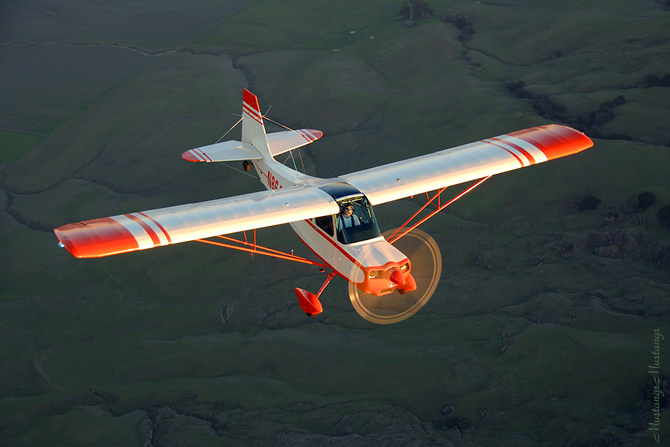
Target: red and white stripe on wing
{"points": [[147, 232], [112, 235], [525, 153], [552, 140], [539, 144], [467, 162], [171, 225], [95, 238]]}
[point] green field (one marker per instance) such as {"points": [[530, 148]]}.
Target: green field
{"points": [[541, 330]]}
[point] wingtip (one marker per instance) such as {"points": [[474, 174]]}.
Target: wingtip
{"points": [[315, 134], [96, 238], [555, 140], [191, 155], [65, 242], [310, 135]]}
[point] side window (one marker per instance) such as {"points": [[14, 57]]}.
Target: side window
{"points": [[326, 224]]}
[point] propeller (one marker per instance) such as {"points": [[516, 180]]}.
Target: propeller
{"points": [[426, 259]]}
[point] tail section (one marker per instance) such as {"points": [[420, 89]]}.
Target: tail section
{"points": [[255, 144], [253, 129]]}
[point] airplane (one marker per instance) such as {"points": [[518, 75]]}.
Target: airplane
{"points": [[333, 217]]}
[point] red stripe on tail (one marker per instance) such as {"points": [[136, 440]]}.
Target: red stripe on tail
{"points": [[250, 106]]}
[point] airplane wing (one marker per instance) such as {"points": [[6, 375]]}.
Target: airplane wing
{"points": [[165, 226], [467, 162]]}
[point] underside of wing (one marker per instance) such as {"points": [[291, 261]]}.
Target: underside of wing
{"points": [[467, 162], [164, 226]]}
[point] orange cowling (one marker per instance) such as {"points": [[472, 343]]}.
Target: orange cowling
{"points": [[309, 303]]}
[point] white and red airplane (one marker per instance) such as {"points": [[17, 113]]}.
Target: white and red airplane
{"points": [[319, 210]]}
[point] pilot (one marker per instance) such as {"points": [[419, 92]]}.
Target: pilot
{"points": [[348, 218]]}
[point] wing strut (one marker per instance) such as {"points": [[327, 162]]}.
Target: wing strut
{"points": [[258, 249], [395, 236]]}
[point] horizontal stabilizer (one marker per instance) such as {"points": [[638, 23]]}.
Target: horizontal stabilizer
{"points": [[281, 142], [226, 151]]}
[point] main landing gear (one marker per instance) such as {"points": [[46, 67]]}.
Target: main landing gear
{"points": [[309, 303]]}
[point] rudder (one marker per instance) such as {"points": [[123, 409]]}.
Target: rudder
{"points": [[253, 129]]}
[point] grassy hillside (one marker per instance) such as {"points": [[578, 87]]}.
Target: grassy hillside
{"points": [[542, 327]]}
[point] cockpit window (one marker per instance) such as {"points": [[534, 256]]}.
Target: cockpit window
{"points": [[356, 221], [325, 223]]}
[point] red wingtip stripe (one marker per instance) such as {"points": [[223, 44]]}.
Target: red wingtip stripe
{"points": [[167, 236], [96, 238], [521, 150], [152, 234], [489, 141], [554, 140]]}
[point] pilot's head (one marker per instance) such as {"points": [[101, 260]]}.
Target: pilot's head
{"points": [[348, 210]]}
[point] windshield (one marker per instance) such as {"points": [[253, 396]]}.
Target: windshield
{"points": [[356, 221]]}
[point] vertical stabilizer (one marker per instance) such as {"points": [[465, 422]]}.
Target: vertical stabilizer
{"points": [[253, 129]]}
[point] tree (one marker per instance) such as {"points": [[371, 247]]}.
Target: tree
{"points": [[416, 9]]}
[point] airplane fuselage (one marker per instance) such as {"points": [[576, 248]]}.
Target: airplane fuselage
{"points": [[373, 264]]}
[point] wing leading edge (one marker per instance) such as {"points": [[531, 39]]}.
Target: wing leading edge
{"points": [[467, 162], [148, 229]]}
